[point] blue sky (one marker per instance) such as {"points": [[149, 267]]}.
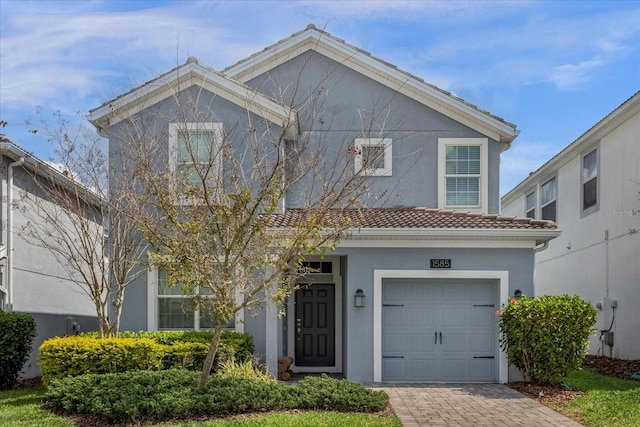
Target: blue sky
{"points": [[554, 68]]}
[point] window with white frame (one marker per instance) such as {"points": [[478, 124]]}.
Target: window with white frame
{"points": [[548, 200], [590, 180], [463, 166], [195, 151], [174, 310], [530, 209], [373, 156]]}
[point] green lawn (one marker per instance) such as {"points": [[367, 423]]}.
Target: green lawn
{"points": [[609, 402], [22, 408]]}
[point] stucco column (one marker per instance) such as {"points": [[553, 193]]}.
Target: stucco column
{"points": [[271, 337]]}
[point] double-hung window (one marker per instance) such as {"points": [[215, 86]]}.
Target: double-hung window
{"points": [[463, 173], [195, 157], [373, 156], [590, 180], [530, 209], [548, 200], [172, 309]]}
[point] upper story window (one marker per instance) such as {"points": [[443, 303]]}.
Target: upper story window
{"points": [[530, 209], [373, 156], [548, 200], [194, 150], [590, 180], [171, 309], [463, 170]]}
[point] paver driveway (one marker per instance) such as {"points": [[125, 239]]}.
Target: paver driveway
{"points": [[477, 405]]}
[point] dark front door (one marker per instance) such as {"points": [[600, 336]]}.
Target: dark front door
{"points": [[314, 325]]}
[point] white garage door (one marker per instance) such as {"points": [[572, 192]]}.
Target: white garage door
{"points": [[439, 330]]}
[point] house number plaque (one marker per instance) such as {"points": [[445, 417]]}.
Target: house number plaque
{"points": [[440, 263]]}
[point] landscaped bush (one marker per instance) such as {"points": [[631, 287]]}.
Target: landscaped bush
{"points": [[241, 344], [158, 396], [16, 334], [546, 337], [75, 355]]}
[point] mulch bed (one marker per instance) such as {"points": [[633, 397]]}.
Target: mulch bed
{"points": [[558, 394]]}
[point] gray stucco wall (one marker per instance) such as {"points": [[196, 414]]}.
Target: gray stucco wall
{"points": [[339, 104], [359, 275]]}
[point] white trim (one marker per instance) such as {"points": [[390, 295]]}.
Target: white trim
{"points": [[434, 243], [379, 275], [484, 172], [291, 309], [182, 78], [386, 143]]}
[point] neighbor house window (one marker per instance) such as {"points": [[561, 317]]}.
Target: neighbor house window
{"points": [[172, 309], [531, 205], [590, 180], [195, 152], [463, 173], [548, 201], [373, 156]]}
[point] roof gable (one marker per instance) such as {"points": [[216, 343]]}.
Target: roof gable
{"points": [[182, 77], [387, 74]]}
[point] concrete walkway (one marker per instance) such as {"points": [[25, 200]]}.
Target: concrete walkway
{"points": [[473, 405]]}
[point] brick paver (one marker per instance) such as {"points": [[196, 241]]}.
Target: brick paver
{"points": [[466, 405]]}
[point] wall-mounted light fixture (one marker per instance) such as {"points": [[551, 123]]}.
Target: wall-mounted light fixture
{"points": [[517, 293], [359, 298]]}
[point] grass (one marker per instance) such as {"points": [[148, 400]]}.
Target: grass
{"points": [[22, 408], [609, 402]]}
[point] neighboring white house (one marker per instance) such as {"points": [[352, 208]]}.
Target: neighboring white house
{"points": [[31, 280], [592, 190]]}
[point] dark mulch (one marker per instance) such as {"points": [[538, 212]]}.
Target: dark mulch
{"points": [[552, 395]]}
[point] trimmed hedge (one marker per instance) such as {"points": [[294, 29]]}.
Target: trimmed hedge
{"points": [[16, 335], [159, 396], [75, 355], [87, 353]]}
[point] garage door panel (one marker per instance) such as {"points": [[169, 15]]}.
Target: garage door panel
{"points": [[479, 317], [422, 343], [394, 342], [421, 310], [394, 316], [422, 316], [453, 317]]}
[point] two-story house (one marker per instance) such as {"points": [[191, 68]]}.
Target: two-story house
{"points": [[31, 280], [411, 294], [592, 190]]}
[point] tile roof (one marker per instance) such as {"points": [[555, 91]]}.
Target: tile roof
{"points": [[417, 218]]}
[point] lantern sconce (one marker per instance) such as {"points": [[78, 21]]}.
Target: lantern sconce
{"points": [[359, 298]]}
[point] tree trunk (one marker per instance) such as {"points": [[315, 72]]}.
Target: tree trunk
{"points": [[211, 354]]}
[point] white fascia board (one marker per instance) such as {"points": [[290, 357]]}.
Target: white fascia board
{"points": [[185, 77], [375, 69]]}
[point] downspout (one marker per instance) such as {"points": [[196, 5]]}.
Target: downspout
{"points": [[19, 162], [542, 247]]}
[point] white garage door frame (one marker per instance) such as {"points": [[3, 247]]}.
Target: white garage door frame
{"points": [[378, 275]]}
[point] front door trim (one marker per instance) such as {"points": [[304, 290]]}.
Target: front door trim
{"points": [[379, 275], [291, 309]]}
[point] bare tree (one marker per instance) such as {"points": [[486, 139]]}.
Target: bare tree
{"points": [[79, 216], [211, 201]]}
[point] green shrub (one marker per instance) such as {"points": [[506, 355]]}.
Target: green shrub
{"points": [[546, 337], [145, 396], [242, 344], [327, 394], [16, 335], [75, 355]]}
